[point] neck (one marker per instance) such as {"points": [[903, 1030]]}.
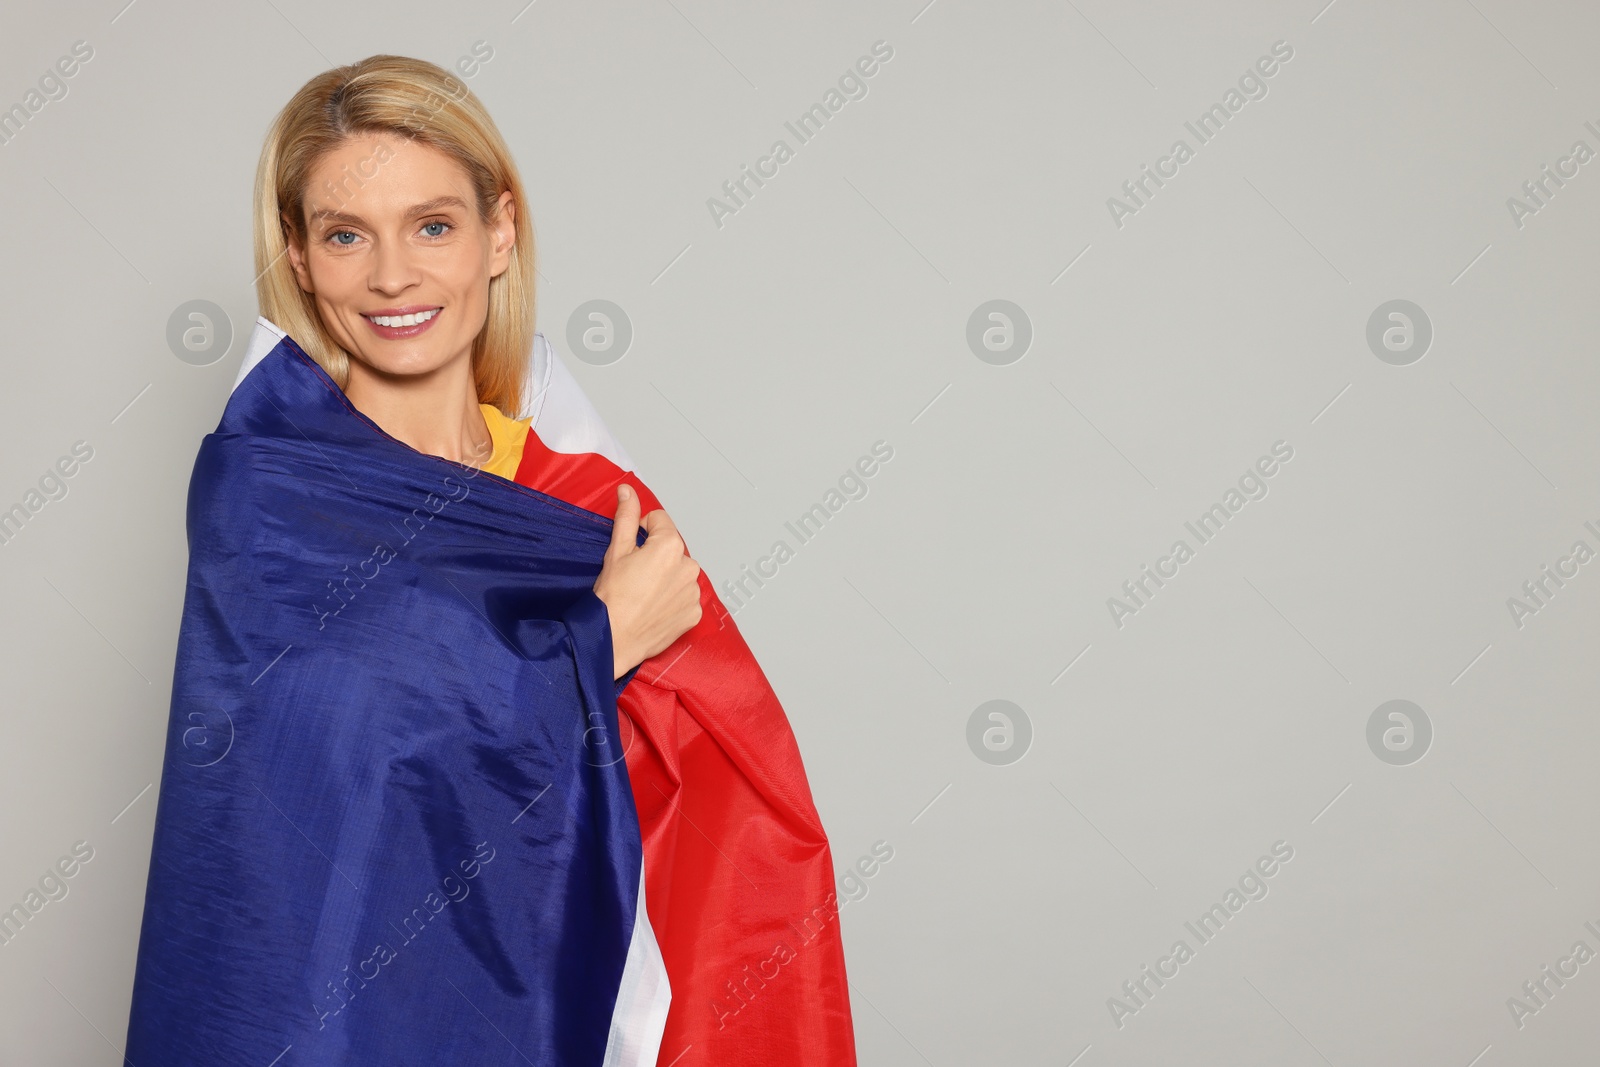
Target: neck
{"points": [[436, 413]]}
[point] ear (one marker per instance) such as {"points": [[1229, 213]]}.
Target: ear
{"points": [[297, 256], [503, 233]]}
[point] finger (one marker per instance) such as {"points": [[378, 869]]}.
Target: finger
{"points": [[625, 526], [664, 543], [662, 532], [659, 520]]}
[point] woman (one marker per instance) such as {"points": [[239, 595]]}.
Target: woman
{"points": [[513, 789]]}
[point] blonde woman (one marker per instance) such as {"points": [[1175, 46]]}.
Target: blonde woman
{"points": [[466, 762]]}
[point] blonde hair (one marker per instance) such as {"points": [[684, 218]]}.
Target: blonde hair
{"points": [[415, 100]]}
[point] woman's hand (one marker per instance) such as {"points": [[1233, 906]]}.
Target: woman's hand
{"points": [[651, 591]]}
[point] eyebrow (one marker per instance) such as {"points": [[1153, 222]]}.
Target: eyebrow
{"points": [[424, 208]]}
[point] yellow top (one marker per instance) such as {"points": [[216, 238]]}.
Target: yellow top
{"points": [[509, 437]]}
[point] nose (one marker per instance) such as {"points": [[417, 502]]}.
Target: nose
{"points": [[393, 267]]}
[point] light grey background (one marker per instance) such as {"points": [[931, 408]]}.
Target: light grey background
{"points": [[830, 312]]}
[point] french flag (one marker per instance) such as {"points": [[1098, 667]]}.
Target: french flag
{"points": [[735, 954]]}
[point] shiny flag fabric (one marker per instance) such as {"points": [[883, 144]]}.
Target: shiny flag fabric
{"points": [[738, 871], [404, 816]]}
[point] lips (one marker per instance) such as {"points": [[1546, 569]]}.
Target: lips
{"points": [[402, 322]]}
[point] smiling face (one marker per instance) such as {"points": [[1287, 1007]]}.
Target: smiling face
{"points": [[399, 262]]}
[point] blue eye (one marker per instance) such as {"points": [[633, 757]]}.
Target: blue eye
{"points": [[427, 224], [340, 233]]}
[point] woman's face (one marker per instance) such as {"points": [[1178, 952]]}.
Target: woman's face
{"points": [[396, 256]]}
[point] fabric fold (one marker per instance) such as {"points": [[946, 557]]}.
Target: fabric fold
{"points": [[394, 823]]}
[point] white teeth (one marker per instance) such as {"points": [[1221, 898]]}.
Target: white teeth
{"points": [[403, 320]]}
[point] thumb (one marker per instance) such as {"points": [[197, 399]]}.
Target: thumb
{"points": [[625, 526]]}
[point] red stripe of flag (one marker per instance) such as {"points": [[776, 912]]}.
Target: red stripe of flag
{"points": [[738, 872]]}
